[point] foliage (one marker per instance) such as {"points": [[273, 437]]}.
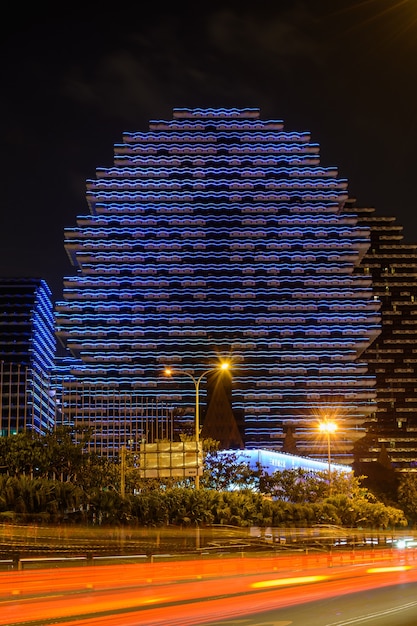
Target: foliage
{"points": [[54, 455], [407, 495], [22, 454], [226, 471], [38, 499], [51, 479]]}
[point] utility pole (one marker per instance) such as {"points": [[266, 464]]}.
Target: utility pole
{"points": [[122, 471]]}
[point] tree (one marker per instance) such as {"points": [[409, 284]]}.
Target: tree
{"points": [[227, 472], [21, 454], [65, 451], [407, 495]]}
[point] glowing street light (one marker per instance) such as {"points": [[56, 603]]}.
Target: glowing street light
{"points": [[329, 428], [172, 372]]}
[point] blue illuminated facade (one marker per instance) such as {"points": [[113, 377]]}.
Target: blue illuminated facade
{"points": [[219, 235], [271, 461], [27, 352]]}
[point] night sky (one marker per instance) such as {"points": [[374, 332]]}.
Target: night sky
{"points": [[344, 70]]}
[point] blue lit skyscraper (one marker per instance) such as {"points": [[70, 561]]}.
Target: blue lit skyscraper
{"points": [[27, 351], [219, 235]]}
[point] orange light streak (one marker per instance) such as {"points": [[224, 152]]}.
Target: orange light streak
{"points": [[300, 580]]}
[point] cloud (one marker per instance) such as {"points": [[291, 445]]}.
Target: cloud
{"points": [[228, 56], [265, 36]]}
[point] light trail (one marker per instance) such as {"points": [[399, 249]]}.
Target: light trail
{"points": [[190, 592]]}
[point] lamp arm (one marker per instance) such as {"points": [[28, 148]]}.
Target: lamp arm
{"points": [[212, 369], [187, 374]]}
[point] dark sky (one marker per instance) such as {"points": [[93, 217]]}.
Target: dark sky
{"points": [[71, 85]]}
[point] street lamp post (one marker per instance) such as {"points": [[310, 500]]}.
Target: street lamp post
{"points": [[328, 427], [170, 372]]}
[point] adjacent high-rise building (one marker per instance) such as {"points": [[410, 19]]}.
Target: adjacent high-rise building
{"points": [[392, 357], [219, 235], [27, 352]]}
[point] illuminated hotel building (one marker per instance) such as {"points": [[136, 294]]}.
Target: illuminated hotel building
{"points": [[27, 351], [220, 235], [392, 357]]}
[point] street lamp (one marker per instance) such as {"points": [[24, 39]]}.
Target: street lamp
{"points": [[328, 427], [171, 372]]}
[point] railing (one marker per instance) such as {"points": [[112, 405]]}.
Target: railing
{"points": [[31, 547], [279, 561]]}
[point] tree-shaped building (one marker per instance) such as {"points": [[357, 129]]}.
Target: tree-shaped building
{"points": [[219, 235]]}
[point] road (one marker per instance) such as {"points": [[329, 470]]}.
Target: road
{"points": [[370, 587]]}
